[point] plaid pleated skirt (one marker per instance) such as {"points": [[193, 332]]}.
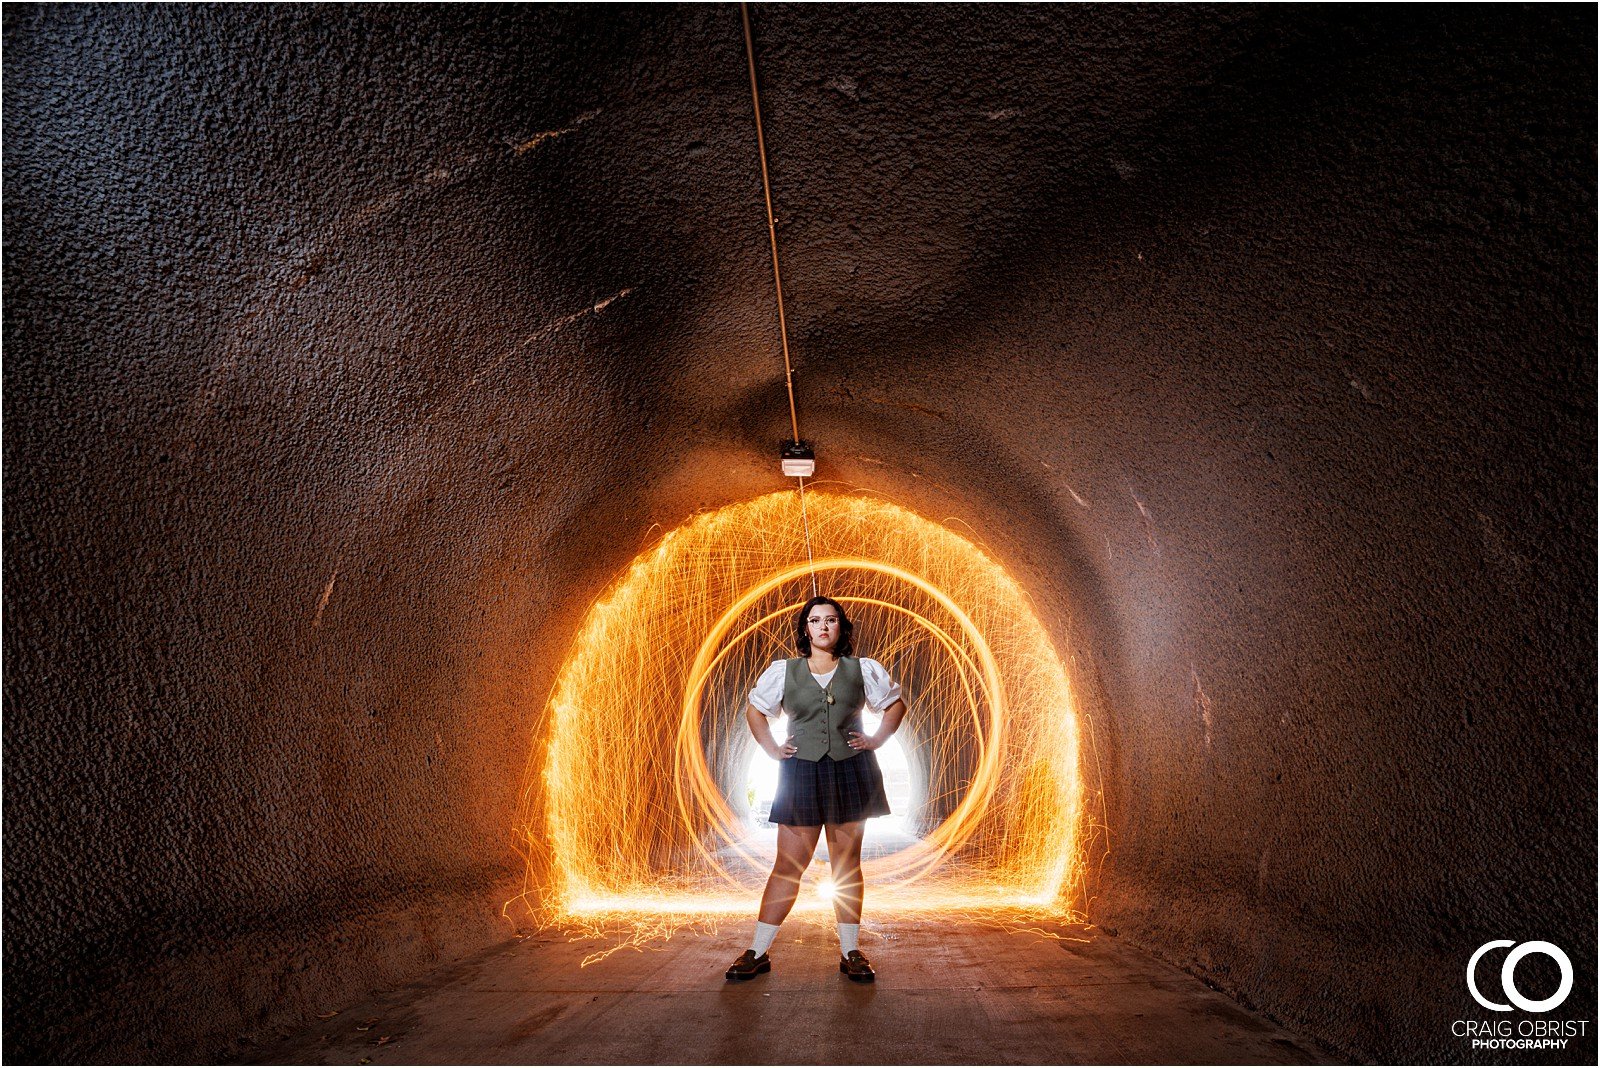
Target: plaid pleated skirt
{"points": [[814, 792]]}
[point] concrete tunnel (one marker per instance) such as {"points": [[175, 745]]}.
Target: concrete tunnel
{"points": [[354, 352]]}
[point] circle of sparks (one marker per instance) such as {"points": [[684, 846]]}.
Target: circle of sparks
{"points": [[699, 795], [646, 718]]}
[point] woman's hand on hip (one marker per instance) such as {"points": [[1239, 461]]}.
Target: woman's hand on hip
{"points": [[863, 741], [785, 750]]}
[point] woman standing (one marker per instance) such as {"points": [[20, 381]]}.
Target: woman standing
{"points": [[828, 776]]}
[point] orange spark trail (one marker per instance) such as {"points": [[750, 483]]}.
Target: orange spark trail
{"points": [[634, 815]]}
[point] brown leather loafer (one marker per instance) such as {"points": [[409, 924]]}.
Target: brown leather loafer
{"points": [[748, 966], [856, 967]]}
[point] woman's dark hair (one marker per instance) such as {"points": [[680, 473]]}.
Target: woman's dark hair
{"points": [[802, 640]]}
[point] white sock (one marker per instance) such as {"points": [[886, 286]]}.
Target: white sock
{"points": [[765, 933], [849, 934]]}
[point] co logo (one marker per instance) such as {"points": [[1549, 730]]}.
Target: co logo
{"points": [[1508, 978]]}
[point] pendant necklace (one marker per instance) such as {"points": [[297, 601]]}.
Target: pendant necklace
{"points": [[828, 689]]}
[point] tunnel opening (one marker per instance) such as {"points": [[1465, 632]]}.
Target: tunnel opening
{"points": [[645, 758]]}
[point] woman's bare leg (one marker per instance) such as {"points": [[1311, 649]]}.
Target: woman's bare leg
{"points": [[844, 852], [795, 847]]}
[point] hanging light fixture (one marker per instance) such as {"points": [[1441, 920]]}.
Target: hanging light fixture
{"points": [[798, 458], [799, 461]]}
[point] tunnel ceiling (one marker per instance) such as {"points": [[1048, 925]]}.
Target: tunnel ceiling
{"points": [[351, 352]]}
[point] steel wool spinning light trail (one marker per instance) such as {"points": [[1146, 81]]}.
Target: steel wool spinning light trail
{"points": [[634, 811]]}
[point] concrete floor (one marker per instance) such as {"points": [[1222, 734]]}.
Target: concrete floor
{"points": [[946, 994]]}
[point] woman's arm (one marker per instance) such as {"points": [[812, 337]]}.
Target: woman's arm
{"points": [[763, 732], [891, 723]]}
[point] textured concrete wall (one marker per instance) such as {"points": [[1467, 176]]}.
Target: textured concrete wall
{"points": [[349, 353]]}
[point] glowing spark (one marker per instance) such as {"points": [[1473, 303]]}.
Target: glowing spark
{"points": [[1146, 524], [540, 138]]}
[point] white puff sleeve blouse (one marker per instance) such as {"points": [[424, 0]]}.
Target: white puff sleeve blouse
{"points": [[767, 696]]}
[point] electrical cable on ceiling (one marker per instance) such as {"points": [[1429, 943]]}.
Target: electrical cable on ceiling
{"points": [[797, 456]]}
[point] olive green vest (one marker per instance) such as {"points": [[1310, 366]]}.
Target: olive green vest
{"points": [[817, 728]]}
